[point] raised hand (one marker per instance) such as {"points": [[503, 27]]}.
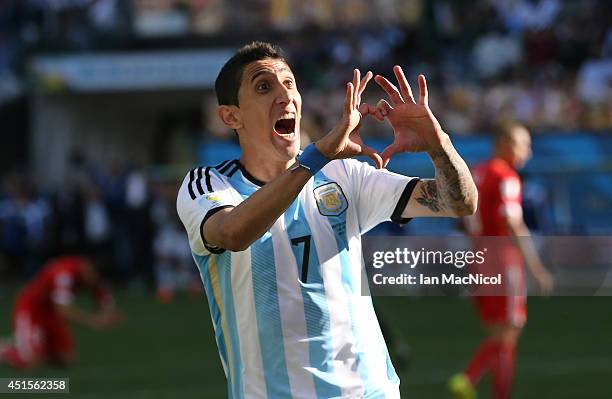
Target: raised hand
{"points": [[343, 141], [415, 127]]}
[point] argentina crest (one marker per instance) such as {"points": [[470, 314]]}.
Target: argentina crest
{"points": [[330, 199]]}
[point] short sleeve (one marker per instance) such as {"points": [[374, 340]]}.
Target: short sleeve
{"points": [[381, 195], [510, 197], [202, 194]]}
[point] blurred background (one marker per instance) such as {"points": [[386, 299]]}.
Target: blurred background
{"points": [[106, 104]]}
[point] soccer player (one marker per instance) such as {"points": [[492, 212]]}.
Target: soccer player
{"points": [[276, 234], [42, 308], [500, 214]]}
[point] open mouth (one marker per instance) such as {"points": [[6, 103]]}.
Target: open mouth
{"points": [[285, 125]]}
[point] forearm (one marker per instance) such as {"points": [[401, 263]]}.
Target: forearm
{"points": [[522, 238], [74, 314], [240, 227], [454, 187]]}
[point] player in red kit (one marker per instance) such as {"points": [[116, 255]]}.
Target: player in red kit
{"points": [[500, 214], [40, 331]]}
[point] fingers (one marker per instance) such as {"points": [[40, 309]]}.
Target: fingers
{"points": [[348, 99], [373, 155], [390, 89], [359, 148], [406, 91], [382, 109], [403, 83], [364, 109], [364, 82], [379, 112], [389, 152], [356, 87], [423, 97]]}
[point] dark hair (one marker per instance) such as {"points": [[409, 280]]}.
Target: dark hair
{"points": [[503, 129], [230, 76]]}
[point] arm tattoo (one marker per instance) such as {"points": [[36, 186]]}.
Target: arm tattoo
{"points": [[429, 196], [453, 189]]}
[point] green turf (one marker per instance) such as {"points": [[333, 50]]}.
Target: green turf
{"points": [[168, 351]]}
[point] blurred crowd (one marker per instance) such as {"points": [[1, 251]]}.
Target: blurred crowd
{"points": [[547, 63], [122, 218]]}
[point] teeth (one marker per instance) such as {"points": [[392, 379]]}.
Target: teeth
{"points": [[287, 116]]}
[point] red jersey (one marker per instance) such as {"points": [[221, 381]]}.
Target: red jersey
{"points": [[40, 332], [499, 196], [57, 282]]}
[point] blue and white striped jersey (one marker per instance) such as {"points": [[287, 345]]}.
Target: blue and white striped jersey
{"points": [[288, 314]]}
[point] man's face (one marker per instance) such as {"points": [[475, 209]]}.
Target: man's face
{"points": [[520, 147], [270, 108]]}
